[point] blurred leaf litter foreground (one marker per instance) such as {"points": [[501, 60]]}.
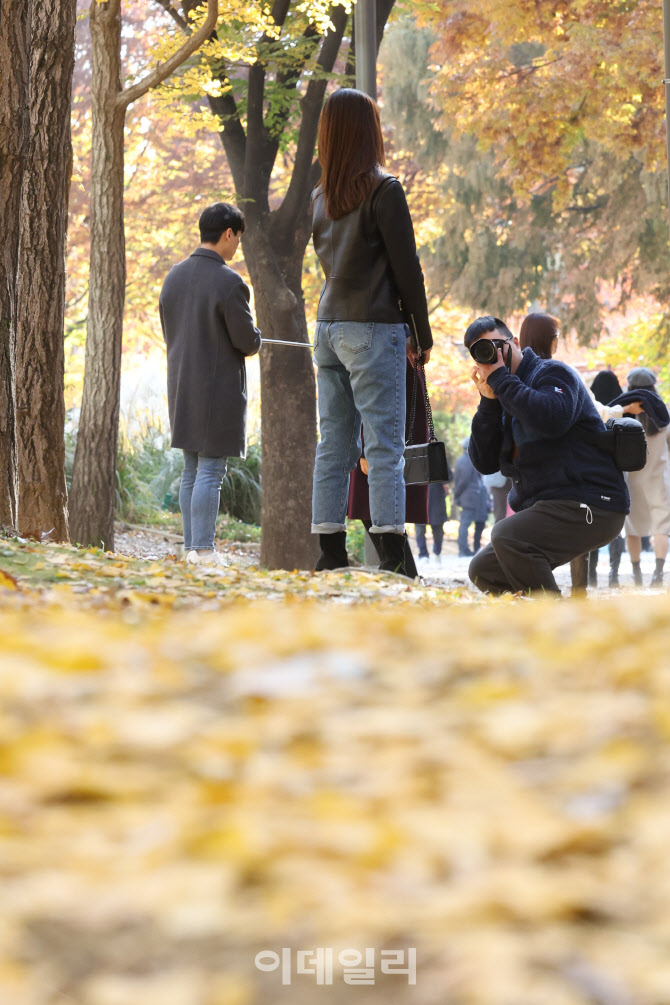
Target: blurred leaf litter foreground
{"points": [[487, 782]]}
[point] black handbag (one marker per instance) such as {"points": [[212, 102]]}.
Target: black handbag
{"points": [[623, 438], [424, 462]]}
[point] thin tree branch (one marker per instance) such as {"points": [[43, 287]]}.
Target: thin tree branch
{"points": [[224, 107], [285, 219], [157, 76], [232, 133], [185, 26]]}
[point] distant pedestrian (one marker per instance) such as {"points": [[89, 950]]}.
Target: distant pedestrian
{"points": [[208, 329], [437, 514], [649, 488], [471, 496], [539, 332], [498, 486], [416, 496], [605, 387]]}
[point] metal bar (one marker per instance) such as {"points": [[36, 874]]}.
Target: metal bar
{"points": [[666, 82], [365, 29], [279, 341]]}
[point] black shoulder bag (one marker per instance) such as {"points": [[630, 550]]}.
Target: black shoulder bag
{"points": [[424, 462], [623, 438]]}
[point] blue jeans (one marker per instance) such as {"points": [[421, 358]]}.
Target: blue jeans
{"points": [[199, 496], [438, 538], [468, 516], [361, 376]]}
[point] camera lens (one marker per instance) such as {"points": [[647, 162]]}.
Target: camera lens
{"points": [[484, 350]]}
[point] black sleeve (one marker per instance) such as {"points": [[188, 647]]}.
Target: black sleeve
{"points": [[395, 225], [486, 436]]}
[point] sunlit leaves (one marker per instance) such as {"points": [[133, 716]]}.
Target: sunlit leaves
{"points": [[182, 788]]}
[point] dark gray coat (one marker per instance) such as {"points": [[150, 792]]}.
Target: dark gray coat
{"points": [[208, 330], [469, 489]]}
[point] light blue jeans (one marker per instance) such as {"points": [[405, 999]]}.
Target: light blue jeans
{"points": [[361, 376], [199, 496]]}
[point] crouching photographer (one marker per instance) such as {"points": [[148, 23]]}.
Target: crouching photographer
{"points": [[567, 494]]}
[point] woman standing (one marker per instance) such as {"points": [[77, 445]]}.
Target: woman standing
{"points": [[649, 488], [373, 297]]}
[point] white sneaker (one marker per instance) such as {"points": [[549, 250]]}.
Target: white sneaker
{"points": [[208, 559], [437, 559]]}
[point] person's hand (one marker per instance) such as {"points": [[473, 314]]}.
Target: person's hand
{"points": [[365, 465], [413, 353], [633, 408], [485, 369], [481, 385]]}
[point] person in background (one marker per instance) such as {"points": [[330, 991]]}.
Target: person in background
{"points": [[437, 514], [539, 332], [208, 330], [605, 387], [498, 486], [416, 496], [372, 313], [471, 496], [649, 488]]}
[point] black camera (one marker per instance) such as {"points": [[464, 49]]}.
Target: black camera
{"points": [[485, 350]]}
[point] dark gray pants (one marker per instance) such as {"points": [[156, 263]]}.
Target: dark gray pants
{"points": [[527, 546]]}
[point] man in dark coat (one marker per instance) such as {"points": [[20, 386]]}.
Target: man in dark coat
{"points": [[208, 329], [567, 494], [471, 496]]}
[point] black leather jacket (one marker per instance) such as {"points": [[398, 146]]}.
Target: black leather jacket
{"points": [[370, 262]]}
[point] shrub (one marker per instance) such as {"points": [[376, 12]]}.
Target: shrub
{"points": [[148, 472]]}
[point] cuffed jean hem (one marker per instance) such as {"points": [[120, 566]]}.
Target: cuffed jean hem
{"points": [[388, 528], [328, 528]]}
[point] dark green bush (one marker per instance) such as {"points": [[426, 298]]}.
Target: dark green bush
{"points": [[148, 472]]}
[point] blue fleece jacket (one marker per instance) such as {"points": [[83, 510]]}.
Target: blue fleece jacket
{"points": [[523, 432]]}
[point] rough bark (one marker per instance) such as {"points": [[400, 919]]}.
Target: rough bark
{"points": [[40, 407], [94, 476], [93, 482], [288, 408], [15, 16]]}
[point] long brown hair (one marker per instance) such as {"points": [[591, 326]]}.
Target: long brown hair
{"points": [[351, 150], [538, 332]]}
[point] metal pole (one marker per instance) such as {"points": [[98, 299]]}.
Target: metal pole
{"points": [[365, 28], [666, 81]]}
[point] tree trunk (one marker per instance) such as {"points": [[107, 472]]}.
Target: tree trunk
{"points": [[15, 16], [288, 407], [93, 481], [40, 406]]}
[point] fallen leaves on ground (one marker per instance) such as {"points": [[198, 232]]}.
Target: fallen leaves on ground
{"points": [[263, 761]]}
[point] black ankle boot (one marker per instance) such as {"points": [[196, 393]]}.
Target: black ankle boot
{"points": [[333, 551], [393, 549]]}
